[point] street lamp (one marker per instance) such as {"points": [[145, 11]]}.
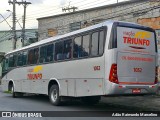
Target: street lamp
{"points": [[9, 10]]}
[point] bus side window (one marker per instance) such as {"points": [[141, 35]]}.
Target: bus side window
{"points": [[31, 56], [50, 49], [5, 64], [77, 52], [94, 44], [67, 49], [19, 59], [24, 58], [59, 50], [43, 54], [36, 56], [12, 60], [101, 42], [85, 49]]}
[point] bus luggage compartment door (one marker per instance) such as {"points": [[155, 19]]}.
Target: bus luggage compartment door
{"points": [[135, 68]]}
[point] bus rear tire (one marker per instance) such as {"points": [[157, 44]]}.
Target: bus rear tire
{"points": [[91, 100], [54, 97]]}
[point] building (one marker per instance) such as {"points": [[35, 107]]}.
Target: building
{"points": [[137, 11]]}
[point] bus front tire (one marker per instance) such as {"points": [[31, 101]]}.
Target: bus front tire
{"points": [[15, 94], [12, 91], [54, 97]]}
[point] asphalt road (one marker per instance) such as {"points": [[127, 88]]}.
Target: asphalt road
{"points": [[41, 103]]}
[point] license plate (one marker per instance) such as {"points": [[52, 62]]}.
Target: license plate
{"points": [[136, 90]]}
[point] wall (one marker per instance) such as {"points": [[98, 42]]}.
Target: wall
{"points": [[126, 11]]}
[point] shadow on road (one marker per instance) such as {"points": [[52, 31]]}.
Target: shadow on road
{"points": [[78, 105]]}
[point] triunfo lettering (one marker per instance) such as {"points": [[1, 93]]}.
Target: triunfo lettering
{"points": [[34, 73], [34, 76], [136, 41]]}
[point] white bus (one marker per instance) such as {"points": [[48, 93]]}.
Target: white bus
{"points": [[110, 58]]}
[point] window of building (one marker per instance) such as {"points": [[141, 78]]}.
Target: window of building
{"points": [[59, 50], [75, 26], [77, 52], [85, 48], [33, 55]]}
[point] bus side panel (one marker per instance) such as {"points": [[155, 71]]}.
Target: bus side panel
{"points": [[71, 87], [4, 84], [39, 86], [89, 87], [63, 87], [18, 84]]}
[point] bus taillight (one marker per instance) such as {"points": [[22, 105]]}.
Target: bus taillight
{"points": [[156, 77], [113, 74]]}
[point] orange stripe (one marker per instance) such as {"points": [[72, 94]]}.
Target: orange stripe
{"points": [[140, 83]]}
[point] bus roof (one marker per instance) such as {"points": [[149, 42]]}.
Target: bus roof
{"points": [[51, 39]]}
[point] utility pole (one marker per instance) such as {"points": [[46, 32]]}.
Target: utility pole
{"points": [[14, 23], [24, 20], [14, 2]]}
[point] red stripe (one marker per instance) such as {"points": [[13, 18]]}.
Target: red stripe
{"points": [[135, 47], [140, 83]]}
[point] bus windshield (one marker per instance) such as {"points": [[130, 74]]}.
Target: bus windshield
{"points": [[135, 40]]}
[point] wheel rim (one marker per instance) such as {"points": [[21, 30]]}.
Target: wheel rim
{"points": [[54, 95]]}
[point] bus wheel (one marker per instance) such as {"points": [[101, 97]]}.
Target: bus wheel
{"points": [[12, 91], [15, 94], [91, 100], [54, 97]]}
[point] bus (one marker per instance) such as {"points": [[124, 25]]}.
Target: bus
{"points": [[107, 59]]}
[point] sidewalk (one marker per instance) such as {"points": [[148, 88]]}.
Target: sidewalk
{"points": [[139, 103]]}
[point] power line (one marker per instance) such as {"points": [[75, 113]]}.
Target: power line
{"points": [[24, 3], [87, 4], [48, 11], [5, 18], [108, 13], [149, 9]]}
